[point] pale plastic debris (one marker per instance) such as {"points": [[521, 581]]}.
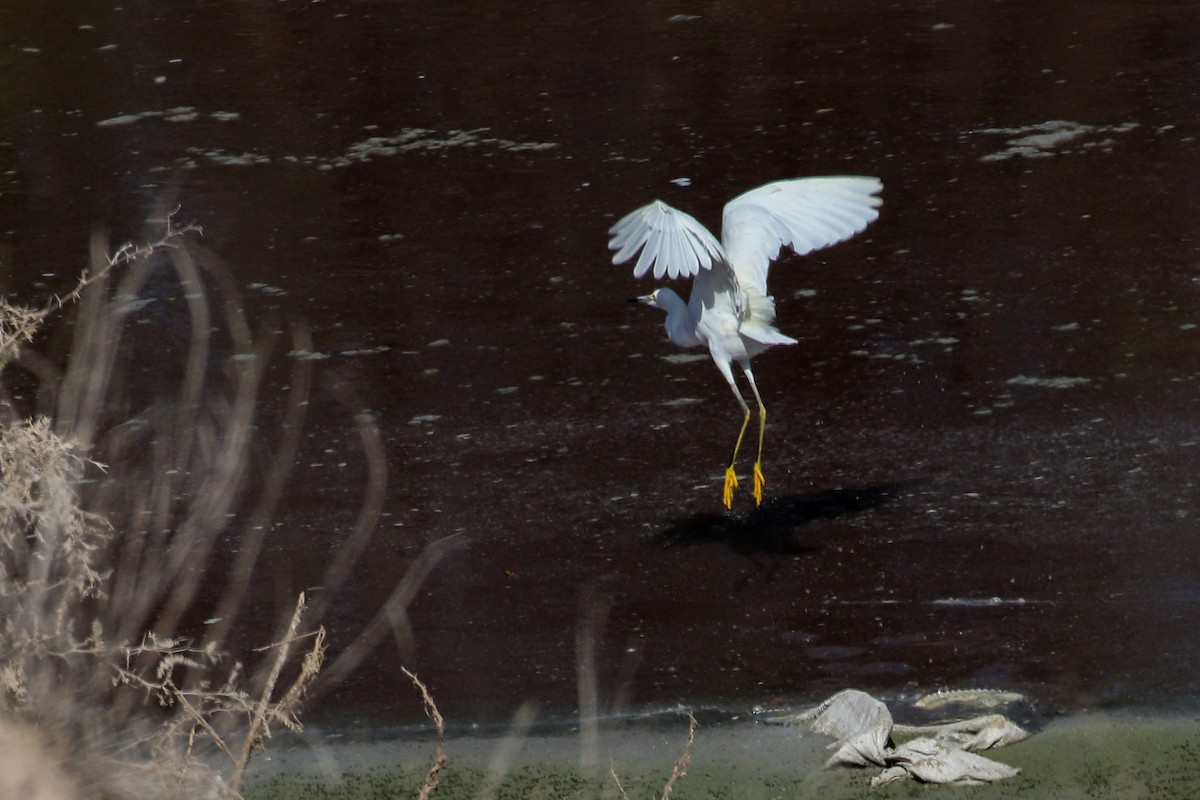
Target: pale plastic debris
{"points": [[931, 761], [977, 733], [944, 753], [977, 698], [859, 722], [993, 730]]}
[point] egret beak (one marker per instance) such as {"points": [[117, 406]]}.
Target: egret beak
{"points": [[647, 299]]}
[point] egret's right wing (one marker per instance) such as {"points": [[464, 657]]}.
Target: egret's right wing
{"points": [[675, 243], [805, 214]]}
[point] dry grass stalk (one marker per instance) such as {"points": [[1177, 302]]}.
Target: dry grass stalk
{"points": [[240, 578], [685, 758], [677, 772], [431, 780], [594, 608], [612, 770], [392, 616], [284, 710], [371, 508], [506, 751]]}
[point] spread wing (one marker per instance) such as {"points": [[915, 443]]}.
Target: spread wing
{"points": [[675, 243], [805, 214]]}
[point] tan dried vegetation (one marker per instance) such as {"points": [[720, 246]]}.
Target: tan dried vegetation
{"points": [[111, 508]]}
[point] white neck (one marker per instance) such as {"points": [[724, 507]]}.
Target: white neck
{"points": [[681, 327]]}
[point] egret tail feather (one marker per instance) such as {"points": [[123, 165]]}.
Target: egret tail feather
{"points": [[758, 319]]}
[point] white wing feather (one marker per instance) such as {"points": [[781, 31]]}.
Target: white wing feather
{"points": [[805, 214], [675, 243]]}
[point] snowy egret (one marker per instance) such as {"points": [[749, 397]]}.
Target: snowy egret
{"points": [[730, 310]]}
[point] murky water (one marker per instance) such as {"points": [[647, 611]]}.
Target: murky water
{"points": [[981, 456]]}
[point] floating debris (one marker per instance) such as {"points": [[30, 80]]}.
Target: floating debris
{"points": [[944, 753]]}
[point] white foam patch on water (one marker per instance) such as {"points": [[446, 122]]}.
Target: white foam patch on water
{"points": [[407, 140], [225, 158], [1051, 138], [985, 602], [369, 351], [685, 358], [308, 355], [906, 358], [1064, 382], [423, 139], [175, 114], [943, 340]]}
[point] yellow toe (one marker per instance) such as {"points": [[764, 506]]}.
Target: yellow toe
{"points": [[731, 483], [759, 483]]}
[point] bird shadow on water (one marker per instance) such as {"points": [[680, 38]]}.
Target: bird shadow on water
{"points": [[776, 527]]}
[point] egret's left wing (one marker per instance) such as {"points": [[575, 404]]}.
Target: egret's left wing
{"points": [[805, 214], [675, 243]]}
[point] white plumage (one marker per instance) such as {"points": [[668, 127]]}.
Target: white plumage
{"points": [[729, 309]]}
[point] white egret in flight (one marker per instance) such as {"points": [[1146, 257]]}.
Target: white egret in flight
{"points": [[730, 310]]}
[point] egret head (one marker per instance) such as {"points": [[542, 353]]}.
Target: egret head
{"points": [[648, 299]]}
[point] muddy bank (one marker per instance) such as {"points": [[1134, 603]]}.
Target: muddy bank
{"points": [[1087, 755]]}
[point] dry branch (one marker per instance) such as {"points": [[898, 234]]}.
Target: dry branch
{"points": [[18, 324], [431, 780]]}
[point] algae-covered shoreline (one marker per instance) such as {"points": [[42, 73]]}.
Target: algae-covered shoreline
{"points": [[1085, 755]]}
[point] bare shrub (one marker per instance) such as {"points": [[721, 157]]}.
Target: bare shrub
{"points": [[100, 567]]}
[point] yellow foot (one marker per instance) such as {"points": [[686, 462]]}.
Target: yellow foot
{"points": [[730, 485], [759, 483]]}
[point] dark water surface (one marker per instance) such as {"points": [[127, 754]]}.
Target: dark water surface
{"points": [[981, 457]]}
